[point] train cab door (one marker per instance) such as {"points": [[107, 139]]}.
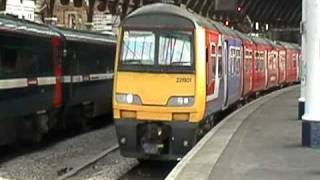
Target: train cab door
{"points": [[212, 79], [225, 60], [214, 67]]}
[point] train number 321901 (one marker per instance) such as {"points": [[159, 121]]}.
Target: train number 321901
{"points": [[184, 80]]}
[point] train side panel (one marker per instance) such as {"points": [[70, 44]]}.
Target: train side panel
{"points": [[214, 71], [29, 88], [272, 68], [247, 69], [87, 77], [259, 73], [282, 66]]}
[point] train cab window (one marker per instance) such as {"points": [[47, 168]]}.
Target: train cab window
{"points": [[138, 47], [220, 61], [175, 49], [8, 61]]}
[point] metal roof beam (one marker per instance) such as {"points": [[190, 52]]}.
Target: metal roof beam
{"points": [[247, 5], [205, 7], [290, 17], [191, 4], [278, 10], [198, 5], [258, 10], [252, 8], [296, 14], [267, 12], [211, 9]]}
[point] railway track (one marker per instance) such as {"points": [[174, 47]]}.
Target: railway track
{"points": [[149, 170], [88, 163], [92, 155]]}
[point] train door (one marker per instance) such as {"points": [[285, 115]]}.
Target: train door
{"points": [[211, 67], [265, 68], [69, 73], [213, 72]]}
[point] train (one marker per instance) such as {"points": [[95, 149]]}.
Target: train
{"points": [[51, 78], [175, 71]]}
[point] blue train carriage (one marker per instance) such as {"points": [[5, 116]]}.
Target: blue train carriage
{"points": [[231, 56], [30, 73], [51, 77], [87, 75]]}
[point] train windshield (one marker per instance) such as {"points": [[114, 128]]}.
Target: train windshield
{"points": [[175, 49], [152, 50], [138, 47]]}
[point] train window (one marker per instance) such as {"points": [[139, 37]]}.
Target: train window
{"points": [[213, 49], [257, 61], [261, 61], [89, 58], [2, 5], [220, 61], [248, 60], [175, 49], [270, 62], [8, 61], [139, 47], [275, 61], [294, 62], [263, 57], [27, 62], [248, 69], [213, 69], [233, 59], [238, 61], [213, 60]]}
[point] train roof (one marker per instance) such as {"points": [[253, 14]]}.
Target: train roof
{"points": [[195, 19], [14, 24], [161, 8], [242, 36], [288, 45], [296, 46], [9, 23], [274, 44], [86, 36], [258, 40]]}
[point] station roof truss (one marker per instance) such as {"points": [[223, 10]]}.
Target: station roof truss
{"points": [[276, 13]]}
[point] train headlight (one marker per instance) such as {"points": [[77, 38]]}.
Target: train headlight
{"points": [[181, 101], [128, 99]]}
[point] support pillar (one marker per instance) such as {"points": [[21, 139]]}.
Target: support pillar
{"points": [[302, 66], [311, 118]]}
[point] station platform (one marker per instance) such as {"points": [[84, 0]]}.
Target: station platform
{"points": [[259, 141]]}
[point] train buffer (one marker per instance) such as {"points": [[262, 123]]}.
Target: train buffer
{"points": [[260, 141]]}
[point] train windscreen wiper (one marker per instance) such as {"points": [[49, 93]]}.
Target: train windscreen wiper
{"points": [[132, 61]]}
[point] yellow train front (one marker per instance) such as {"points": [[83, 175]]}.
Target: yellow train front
{"points": [[159, 84]]}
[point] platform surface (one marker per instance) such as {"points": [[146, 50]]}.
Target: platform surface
{"points": [[265, 145]]}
